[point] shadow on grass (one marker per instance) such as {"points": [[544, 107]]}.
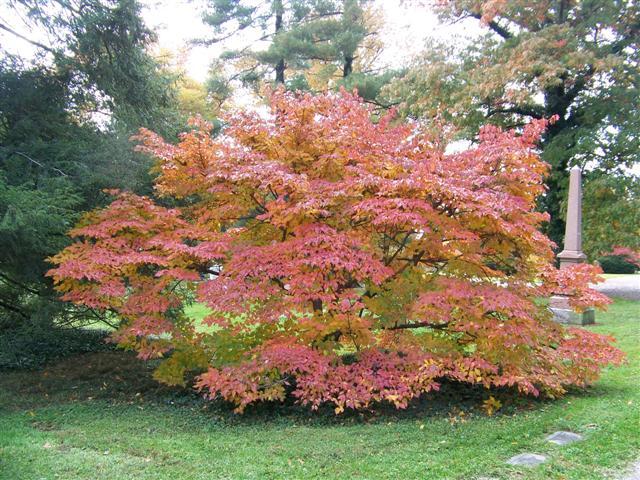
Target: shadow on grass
{"points": [[118, 378]]}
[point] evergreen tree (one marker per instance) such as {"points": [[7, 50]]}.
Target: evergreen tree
{"points": [[295, 33], [65, 122]]}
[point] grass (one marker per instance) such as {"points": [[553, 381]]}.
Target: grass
{"points": [[102, 416], [197, 311], [620, 275]]}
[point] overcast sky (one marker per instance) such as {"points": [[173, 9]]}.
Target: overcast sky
{"points": [[177, 22], [404, 33]]}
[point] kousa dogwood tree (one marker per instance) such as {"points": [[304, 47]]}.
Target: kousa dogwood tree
{"points": [[345, 260]]}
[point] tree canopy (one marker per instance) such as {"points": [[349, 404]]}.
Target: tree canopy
{"points": [[303, 43], [347, 255], [574, 60]]}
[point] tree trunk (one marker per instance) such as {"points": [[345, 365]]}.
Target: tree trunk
{"points": [[280, 72], [347, 68], [280, 66], [561, 8], [557, 102], [556, 183]]}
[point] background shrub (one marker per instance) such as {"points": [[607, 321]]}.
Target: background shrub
{"points": [[617, 264], [32, 346]]}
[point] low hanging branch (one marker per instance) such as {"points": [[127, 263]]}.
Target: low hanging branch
{"points": [[13, 309], [373, 234], [28, 40], [39, 164]]}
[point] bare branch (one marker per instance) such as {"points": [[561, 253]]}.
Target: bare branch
{"points": [[24, 155], [493, 25], [28, 40]]}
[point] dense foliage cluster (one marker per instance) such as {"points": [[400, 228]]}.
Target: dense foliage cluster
{"points": [[344, 260], [620, 260], [611, 214], [306, 45], [65, 121], [576, 60]]}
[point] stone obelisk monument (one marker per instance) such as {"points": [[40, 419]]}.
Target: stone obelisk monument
{"points": [[572, 253]]}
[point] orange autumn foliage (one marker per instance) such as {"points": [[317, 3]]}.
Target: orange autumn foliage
{"points": [[344, 261]]}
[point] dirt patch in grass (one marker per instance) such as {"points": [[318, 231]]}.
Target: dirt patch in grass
{"points": [[117, 376]]}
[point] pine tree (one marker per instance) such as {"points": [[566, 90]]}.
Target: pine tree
{"points": [[65, 123], [297, 33]]}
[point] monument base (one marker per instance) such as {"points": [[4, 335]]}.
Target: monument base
{"points": [[571, 257], [563, 313], [571, 317]]}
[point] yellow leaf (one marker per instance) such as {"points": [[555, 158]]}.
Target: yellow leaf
{"points": [[491, 405]]}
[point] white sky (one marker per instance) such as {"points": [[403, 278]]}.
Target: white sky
{"points": [[406, 28], [179, 21]]}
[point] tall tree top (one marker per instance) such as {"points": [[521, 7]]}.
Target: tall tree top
{"points": [[288, 35], [573, 61], [102, 45]]}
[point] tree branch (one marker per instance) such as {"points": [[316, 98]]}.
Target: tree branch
{"points": [[405, 326], [24, 155], [11, 308], [28, 40], [402, 244], [526, 110], [493, 25], [10, 280]]}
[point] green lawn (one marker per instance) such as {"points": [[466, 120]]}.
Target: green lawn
{"points": [[619, 275], [197, 311], [100, 416]]}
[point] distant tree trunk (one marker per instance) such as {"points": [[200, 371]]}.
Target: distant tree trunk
{"points": [[561, 12], [557, 102], [280, 72], [348, 66], [280, 66], [556, 183]]}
